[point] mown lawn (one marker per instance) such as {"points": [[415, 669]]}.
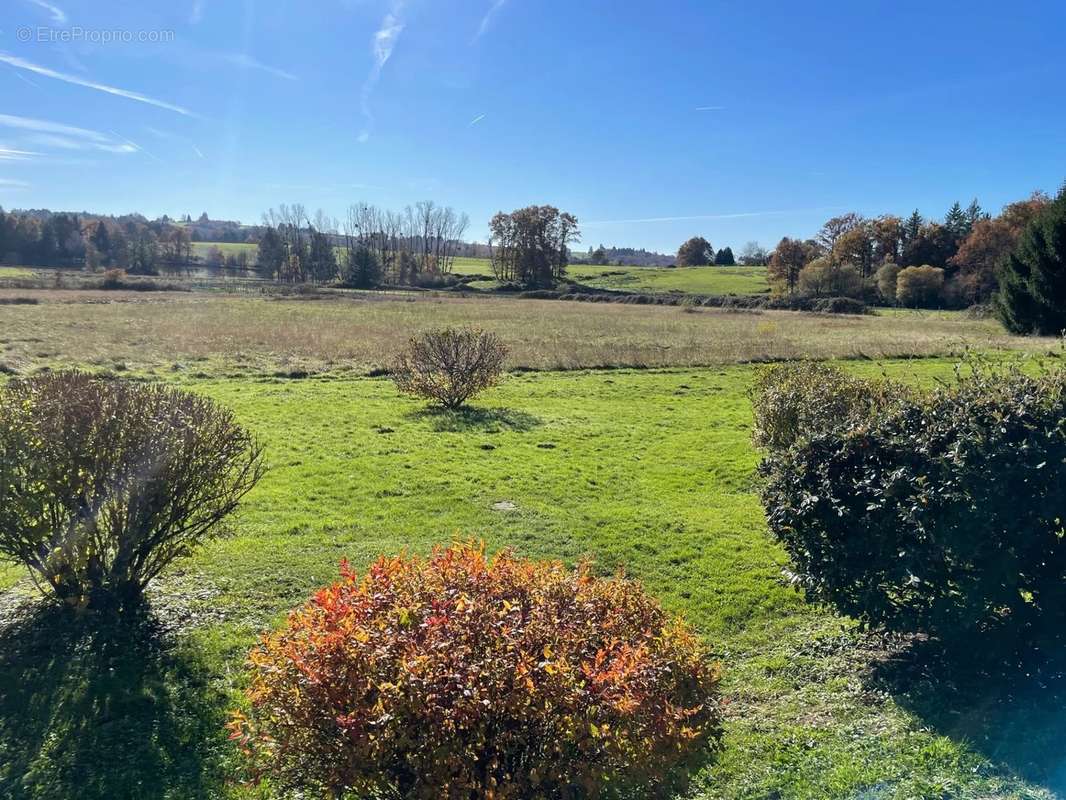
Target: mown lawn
{"points": [[649, 470]]}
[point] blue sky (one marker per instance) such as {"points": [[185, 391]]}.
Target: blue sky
{"points": [[651, 122]]}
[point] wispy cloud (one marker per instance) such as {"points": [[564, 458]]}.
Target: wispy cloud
{"points": [[246, 61], [44, 126], [168, 136], [382, 44], [709, 108], [14, 154], [22, 63], [24, 79], [67, 137], [700, 217], [477, 119], [486, 20], [11, 183], [58, 15]]}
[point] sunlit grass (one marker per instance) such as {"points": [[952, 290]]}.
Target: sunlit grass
{"points": [[651, 471], [235, 334]]}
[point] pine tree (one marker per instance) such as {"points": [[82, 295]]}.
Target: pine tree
{"points": [[974, 214], [955, 221], [1032, 280], [913, 226], [102, 243], [364, 269]]}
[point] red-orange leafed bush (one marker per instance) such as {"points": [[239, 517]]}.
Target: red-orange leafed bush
{"points": [[462, 676]]}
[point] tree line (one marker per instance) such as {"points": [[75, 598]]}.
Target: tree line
{"points": [[952, 261], [370, 246], [129, 242]]}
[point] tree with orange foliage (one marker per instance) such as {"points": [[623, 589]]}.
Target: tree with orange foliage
{"points": [[989, 242]]}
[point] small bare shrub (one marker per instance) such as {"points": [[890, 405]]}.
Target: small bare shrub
{"points": [[104, 483], [114, 279], [450, 365]]}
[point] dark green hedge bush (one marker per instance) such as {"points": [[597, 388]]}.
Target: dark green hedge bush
{"points": [[939, 512]]}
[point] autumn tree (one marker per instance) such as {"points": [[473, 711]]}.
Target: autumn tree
{"points": [[989, 242], [531, 246], [836, 227], [855, 246], [887, 233], [696, 252], [788, 258]]}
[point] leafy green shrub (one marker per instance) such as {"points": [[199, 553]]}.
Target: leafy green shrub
{"points": [[801, 400], [104, 483], [461, 676], [920, 287], [940, 513], [450, 365], [825, 278], [886, 278]]}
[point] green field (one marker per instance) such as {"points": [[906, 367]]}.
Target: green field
{"points": [[691, 280], [201, 249], [16, 273], [650, 469]]}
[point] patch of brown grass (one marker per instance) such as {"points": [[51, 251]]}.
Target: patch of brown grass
{"points": [[218, 334]]}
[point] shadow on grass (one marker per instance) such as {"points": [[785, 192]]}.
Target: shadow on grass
{"points": [[1012, 710], [476, 420], [94, 706]]}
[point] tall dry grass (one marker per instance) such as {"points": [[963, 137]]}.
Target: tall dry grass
{"points": [[226, 333]]}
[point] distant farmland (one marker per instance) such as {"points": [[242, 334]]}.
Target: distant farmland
{"points": [[695, 280]]}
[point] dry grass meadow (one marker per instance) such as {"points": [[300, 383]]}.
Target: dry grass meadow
{"points": [[217, 334]]}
